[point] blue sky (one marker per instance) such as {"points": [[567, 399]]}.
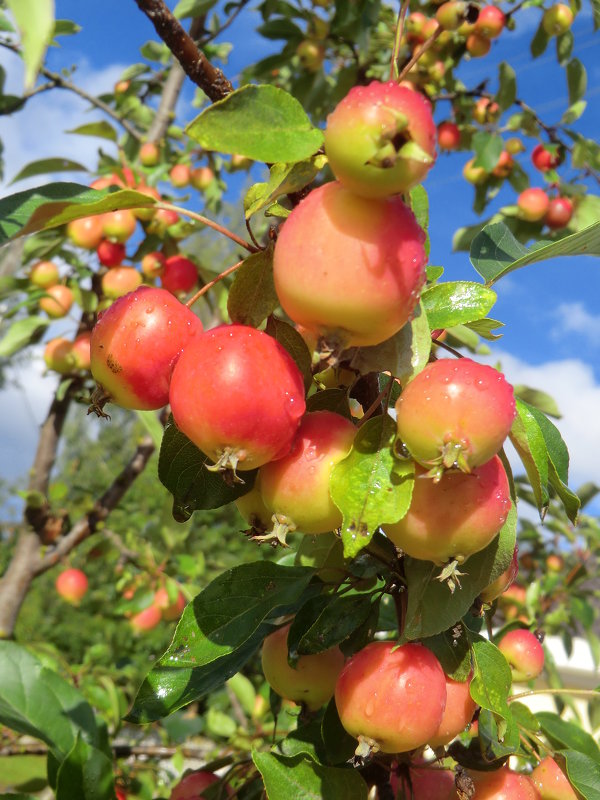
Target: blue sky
{"points": [[551, 310]]}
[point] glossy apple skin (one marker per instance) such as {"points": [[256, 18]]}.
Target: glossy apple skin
{"points": [[110, 254], [59, 301], [237, 389], [458, 713], [502, 582], [477, 45], [201, 178], [348, 268], [524, 654], [86, 232], [448, 136], [454, 517], [363, 129], [297, 486], [394, 697], [119, 225], [136, 343], [153, 264], [485, 110], [147, 619], [180, 175], [503, 785], [311, 682], [473, 174], [44, 274], [119, 281], [456, 401], [71, 585], [543, 159], [58, 355], [557, 19], [533, 204], [559, 213], [253, 509], [179, 275], [432, 784], [504, 166], [192, 785], [551, 782], [149, 154], [490, 22]]}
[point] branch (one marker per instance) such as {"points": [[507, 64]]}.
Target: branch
{"points": [[102, 508], [122, 750], [210, 284], [209, 224], [195, 64], [171, 91]]}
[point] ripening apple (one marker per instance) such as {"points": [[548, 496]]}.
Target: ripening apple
{"points": [[58, 301], [80, 350], [490, 22], [559, 213], [458, 713], [311, 681], [524, 653], [533, 203], [450, 15], [119, 225], [44, 274], [119, 281], [238, 161], [171, 610], [58, 355], [153, 264], [544, 158], [473, 174], [551, 782], [486, 110], [71, 585], [147, 619], [477, 45], [448, 134], [310, 54], [86, 232], [147, 213], [557, 19], [501, 584], [503, 784], [149, 154], [432, 783], [121, 87], [512, 601], [191, 786], [201, 178], [180, 175], [504, 165]]}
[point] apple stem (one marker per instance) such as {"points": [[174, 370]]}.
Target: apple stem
{"points": [[427, 44], [591, 693], [399, 31]]}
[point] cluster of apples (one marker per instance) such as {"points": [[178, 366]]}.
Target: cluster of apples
{"points": [[165, 605]]}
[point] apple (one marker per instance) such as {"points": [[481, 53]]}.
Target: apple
{"points": [[551, 782], [524, 653], [149, 154], [44, 274], [71, 585], [533, 203], [58, 301], [557, 19]]}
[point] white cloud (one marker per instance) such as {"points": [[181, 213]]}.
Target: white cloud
{"points": [[38, 130], [574, 318]]}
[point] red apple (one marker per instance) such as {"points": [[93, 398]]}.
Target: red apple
{"points": [[551, 782], [72, 584], [524, 653]]}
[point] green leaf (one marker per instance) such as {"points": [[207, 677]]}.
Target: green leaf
{"points": [[576, 80], [339, 745], [495, 252], [529, 442], [22, 333], [573, 112], [487, 147], [66, 27], [102, 129], [584, 774], [486, 328], [192, 8], [432, 608], [564, 47], [326, 621], [492, 678], [456, 302], [404, 355], [507, 91], [541, 400], [370, 486], [58, 203], [48, 165], [182, 470], [453, 651], [304, 741], [37, 702], [252, 296], [153, 425], [419, 203], [288, 337], [335, 400], [303, 779], [283, 179], [539, 43], [218, 633], [86, 773], [261, 122], [35, 20], [564, 734]]}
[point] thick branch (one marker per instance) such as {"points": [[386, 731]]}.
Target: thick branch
{"points": [[195, 64], [102, 508], [171, 91]]}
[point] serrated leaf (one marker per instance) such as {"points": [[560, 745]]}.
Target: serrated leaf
{"points": [[102, 129], [432, 608], [326, 621], [182, 470], [48, 165], [404, 355], [487, 147], [486, 328], [35, 20], [584, 774], [507, 91], [456, 303], [303, 779], [261, 122], [218, 633], [21, 333], [370, 486], [530, 445], [539, 399], [252, 296], [58, 203], [495, 252], [576, 80], [288, 337], [283, 179]]}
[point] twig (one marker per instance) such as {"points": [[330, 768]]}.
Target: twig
{"points": [[398, 40], [102, 508], [209, 224], [427, 44], [210, 284], [210, 38], [593, 694], [376, 403], [195, 64]]}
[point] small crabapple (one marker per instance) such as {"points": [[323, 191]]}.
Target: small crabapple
{"points": [[179, 274], [310, 54], [153, 264], [191, 786], [533, 203], [149, 154], [557, 19], [559, 213], [502, 582], [71, 585], [524, 653], [58, 355], [473, 174], [486, 110], [81, 350], [551, 782], [201, 178], [477, 45], [147, 619], [110, 254], [503, 784], [458, 713], [119, 281], [545, 159], [58, 301], [44, 274], [119, 225], [490, 22], [180, 175], [86, 232], [448, 134]]}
